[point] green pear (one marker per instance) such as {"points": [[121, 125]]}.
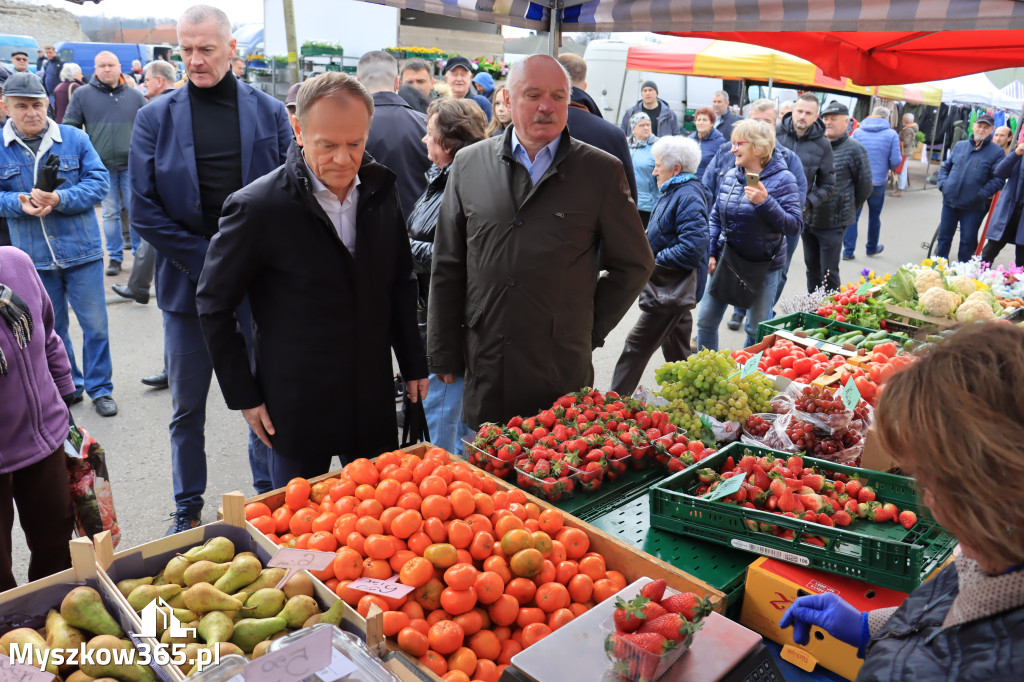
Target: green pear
{"points": [[205, 572], [219, 651], [269, 577], [335, 614], [185, 615], [244, 569], [158, 579], [218, 550], [204, 597], [60, 635], [79, 676], [215, 627], [297, 609], [27, 637], [265, 603], [190, 657], [83, 608], [189, 638], [126, 586], [143, 594], [124, 672], [298, 584], [174, 571], [176, 602], [251, 631]]}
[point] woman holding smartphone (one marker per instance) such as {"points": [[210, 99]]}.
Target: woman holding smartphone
{"points": [[757, 207]]}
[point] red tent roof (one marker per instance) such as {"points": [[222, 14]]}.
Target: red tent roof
{"points": [[891, 57]]}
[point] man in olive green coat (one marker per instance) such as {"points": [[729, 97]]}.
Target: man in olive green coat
{"points": [[528, 222]]}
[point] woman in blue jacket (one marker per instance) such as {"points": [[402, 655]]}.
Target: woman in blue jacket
{"points": [[640, 142], [678, 235], [957, 406], [707, 135], [1007, 226], [754, 221]]}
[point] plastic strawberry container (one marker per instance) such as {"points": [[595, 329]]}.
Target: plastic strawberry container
{"points": [[563, 488], [642, 454], [492, 464]]}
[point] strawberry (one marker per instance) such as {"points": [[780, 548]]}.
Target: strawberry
{"points": [[628, 615], [825, 520], [787, 502], [815, 482], [892, 511], [654, 590], [688, 605], [671, 626], [652, 610], [760, 478], [853, 488], [907, 519], [795, 465], [777, 487], [866, 494], [842, 518]]}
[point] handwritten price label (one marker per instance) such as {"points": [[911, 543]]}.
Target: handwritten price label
{"points": [[296, 560], [387, 588], [863, 288], [727, 487], [16, 672], [300, 659], [850, 394], [750, 366]]}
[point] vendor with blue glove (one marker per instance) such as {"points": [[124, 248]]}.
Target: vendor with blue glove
{"points": [[953, 421]]}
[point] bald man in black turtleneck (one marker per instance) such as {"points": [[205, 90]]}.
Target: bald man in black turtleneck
{"points": [[190, 150]]}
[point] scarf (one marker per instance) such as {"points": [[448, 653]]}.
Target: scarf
{"points": [[633, 142], [16, 314]]}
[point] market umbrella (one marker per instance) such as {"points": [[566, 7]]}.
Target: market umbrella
{"points": [[1012, 96]]}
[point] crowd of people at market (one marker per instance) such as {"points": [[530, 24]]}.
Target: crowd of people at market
{"points": [[491, 237]]}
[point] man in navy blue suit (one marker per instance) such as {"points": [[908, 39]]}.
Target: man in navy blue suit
{"points": [[189, 151]]}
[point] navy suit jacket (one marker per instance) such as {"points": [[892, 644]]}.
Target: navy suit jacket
{"points": [[165, 206]]}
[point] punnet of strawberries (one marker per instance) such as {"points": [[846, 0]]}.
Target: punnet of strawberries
{"points": [[584, 441], [787, 487], [649, 633]]}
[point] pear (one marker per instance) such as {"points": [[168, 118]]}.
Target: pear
{"points": [[246, 554], [83, 608], [218, 550], [189, 638], [158, 579], [251, 631], [79, 676], [298, 584], [243, 570], [124, 672], [185, 615], [174, 571], [335, 614], [269, 577], [126, 586], [190, 657], [215, 627], [204, 572], [176, 602], [313, 620], [261, 648], [297, 609], [60, 635], [219, 651], [204, 597], [32, 641], [265, 603], [142, 595]]}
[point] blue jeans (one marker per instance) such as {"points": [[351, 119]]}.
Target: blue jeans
{"points": [[712, 311], [118, 197], [81, 286], [970, 221], [791, 244], [189, 372], [443, 406], [284, 469], [875, 202]]}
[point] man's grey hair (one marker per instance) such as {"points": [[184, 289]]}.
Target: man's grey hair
{"points": [[377, 71], [515, 74], [908, 118], [720, 93], [762, 104], [788, 104], [329, 84], [881, 111], [136, 64], [676, 149], [199, 14], [69, 71], [162, 69]]}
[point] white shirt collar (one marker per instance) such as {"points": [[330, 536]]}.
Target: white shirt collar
{"points": [[319, 186]]}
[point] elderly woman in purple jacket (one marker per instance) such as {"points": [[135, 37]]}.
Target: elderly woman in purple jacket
{"points": [[35, 384]]}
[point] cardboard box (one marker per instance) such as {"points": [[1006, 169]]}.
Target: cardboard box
{"points": [[772, 586], [875, 456]]}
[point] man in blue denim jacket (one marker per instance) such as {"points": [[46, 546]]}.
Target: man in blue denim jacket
{"points": [[58, 229]]}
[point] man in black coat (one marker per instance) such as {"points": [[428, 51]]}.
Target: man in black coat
{"points": [[397, 130], [319, 247], [804, 133], [586, 123], [826, 223], [724, 119]]}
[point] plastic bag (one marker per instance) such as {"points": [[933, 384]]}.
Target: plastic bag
{"points": [[724, 432], [91, 494], [748, 438], [831, 423], [651, 399]]}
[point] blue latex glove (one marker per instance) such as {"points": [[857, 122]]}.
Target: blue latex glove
{"points": [[832, 614]]}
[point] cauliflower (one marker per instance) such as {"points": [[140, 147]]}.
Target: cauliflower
{"points": [[965, 285], [938, 301], [974, 311], [927, 279], [988, 299]]}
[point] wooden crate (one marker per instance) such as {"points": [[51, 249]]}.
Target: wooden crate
{"points": [[914, 318]]}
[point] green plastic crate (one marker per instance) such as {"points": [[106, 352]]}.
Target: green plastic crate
{"points": [[722, 568], [884, 554], [809, 320], [631, 485]]}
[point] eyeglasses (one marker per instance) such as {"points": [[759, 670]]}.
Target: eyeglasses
{"points": [[737, 145]]}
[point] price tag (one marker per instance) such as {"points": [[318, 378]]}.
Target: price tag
{"points": [[296, 661], [339, 668], [388, 588], [706, 421], [16, 672], [863, 288], [296, 560], [725, 488], [750, 366], [850, 394]]}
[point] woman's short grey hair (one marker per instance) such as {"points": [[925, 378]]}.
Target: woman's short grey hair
{"points": [[760, 136], [330, 84], [673, 150], [881, 111], [70, 71]]}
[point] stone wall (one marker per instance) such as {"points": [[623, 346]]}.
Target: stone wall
{"points": [[47, 25]]}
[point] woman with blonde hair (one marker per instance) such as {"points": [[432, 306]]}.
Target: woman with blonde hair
{"points": [[757, 207], [952, 420], [502, 116]]}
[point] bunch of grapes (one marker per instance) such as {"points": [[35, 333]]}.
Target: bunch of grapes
{"points": [[815, 400], [756, 426], [709, 382], [802, 434]]}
